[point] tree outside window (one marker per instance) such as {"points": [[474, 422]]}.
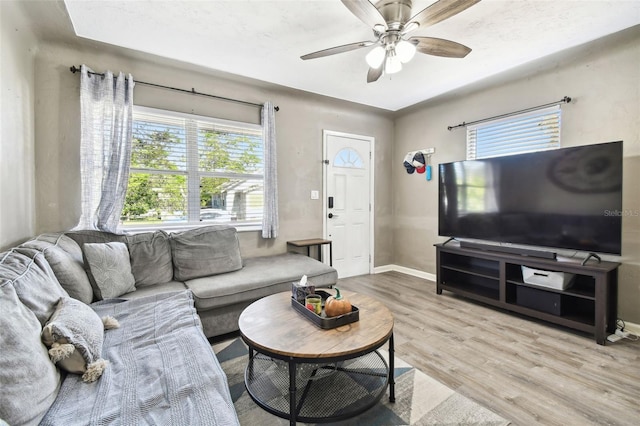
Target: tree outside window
{"points": [[189, 169]]}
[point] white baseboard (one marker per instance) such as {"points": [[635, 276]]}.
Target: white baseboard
{"points": [[632, 328], [629, 326], [402, 269]]}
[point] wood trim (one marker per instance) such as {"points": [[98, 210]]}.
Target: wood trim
{"points": [[409, 271]]}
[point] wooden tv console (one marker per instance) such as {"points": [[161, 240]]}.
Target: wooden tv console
{"points": [[589, 305]]}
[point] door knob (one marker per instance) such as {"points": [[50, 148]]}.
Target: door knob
{"points": [[331, 215]]}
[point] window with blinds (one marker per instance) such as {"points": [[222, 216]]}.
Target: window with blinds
{"points": [[532, 131], [188, 169]]}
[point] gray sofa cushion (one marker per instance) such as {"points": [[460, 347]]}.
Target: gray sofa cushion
{"points": [[150, 254], [109, 269], [30, 381], [34, 281], [91, 236], [257, 279], [205, 251], [65, 258]]}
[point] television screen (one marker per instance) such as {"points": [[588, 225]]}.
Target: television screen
{"points": [[567, 198]]}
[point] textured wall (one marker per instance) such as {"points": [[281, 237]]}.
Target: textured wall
{"points": [[299, 125], [17, 193], [602, 77]]}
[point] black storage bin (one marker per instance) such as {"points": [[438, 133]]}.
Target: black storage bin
{"points": [[539, 300]]}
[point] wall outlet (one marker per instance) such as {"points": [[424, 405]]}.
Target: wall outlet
{"points": [[429, 151], [315, 195]]}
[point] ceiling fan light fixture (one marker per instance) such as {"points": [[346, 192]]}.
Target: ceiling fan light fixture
{"points": [[405, 51], [392, 63], [375, 58]]}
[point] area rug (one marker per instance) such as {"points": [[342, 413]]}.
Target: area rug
{"points": [[420, 399]]}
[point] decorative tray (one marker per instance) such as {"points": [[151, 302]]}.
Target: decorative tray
{"points": [[322, 320]]}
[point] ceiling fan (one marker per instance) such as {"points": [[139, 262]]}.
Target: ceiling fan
{"points": [[391, 21]]}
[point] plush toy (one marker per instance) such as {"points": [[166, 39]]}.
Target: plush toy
{"points": [[75, 335]]}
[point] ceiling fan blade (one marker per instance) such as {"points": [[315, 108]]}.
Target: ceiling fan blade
{"points": [[366, 12], [337, 49], [374, 74], [440, 47], [441, 10]]}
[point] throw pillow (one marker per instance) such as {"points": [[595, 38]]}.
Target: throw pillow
{"points": [[109, 269], [150, 254], [205, 251], [75, 335]]}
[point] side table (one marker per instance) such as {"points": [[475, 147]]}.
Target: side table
{"points": [[317, 242]]}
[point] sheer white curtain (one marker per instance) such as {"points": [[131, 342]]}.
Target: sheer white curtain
{"points": [[105, 147], [270, 214]]}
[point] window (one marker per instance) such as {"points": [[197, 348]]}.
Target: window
{"points": [[533, 131], [188, 169], [348, 158]]}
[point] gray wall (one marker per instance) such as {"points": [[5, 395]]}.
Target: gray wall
{"points": [[17, 187], [603, 78], [299, 125]]}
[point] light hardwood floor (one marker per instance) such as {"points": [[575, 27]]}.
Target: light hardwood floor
{"points": [[527, 371]]}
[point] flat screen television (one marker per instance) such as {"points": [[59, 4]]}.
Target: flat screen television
{"points": [[568, 198]]}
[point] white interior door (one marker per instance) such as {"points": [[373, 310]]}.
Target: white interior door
{"points": [[348, 201]]}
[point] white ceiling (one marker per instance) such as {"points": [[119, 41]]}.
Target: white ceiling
{"points": [[264, 40]]}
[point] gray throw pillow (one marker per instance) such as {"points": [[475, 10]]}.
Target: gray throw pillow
{"points": [[150, 254], [75, 334], [28, 379], [205, 251], [109, 269]]}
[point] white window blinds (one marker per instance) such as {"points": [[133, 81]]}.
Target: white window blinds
{"points": [[532, 131], [188, 169]]}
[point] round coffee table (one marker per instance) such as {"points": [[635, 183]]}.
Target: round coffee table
{"points": [[301, 372]]}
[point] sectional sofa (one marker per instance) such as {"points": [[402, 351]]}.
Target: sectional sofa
{"points": [[132, 313]]}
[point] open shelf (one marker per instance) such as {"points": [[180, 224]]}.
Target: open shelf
{"points": [[588, 304], [469, 289]]}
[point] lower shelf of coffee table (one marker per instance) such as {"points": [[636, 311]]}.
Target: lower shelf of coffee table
{"points": [[325, 391]]}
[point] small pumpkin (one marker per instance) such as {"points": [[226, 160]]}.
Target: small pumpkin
{"points": [[336, 305]]}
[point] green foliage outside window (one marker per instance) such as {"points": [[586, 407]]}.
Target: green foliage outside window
{"points": [[229, 172]]}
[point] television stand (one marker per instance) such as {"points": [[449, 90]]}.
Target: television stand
{"points": [[589, 305]]}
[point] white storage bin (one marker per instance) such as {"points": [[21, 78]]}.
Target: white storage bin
{"points": [[550, 279]]}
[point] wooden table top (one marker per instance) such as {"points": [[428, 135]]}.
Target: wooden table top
{"points": [[309, 242], [273, 325]]}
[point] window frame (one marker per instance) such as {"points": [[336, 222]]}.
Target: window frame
{"points": [[513, 120], [193, 174]]}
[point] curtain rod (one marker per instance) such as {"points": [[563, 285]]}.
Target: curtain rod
{"points": [[566, 99], [75, 69]]}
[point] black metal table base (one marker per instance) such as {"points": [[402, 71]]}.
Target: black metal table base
{"points": [[319, 391]]}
